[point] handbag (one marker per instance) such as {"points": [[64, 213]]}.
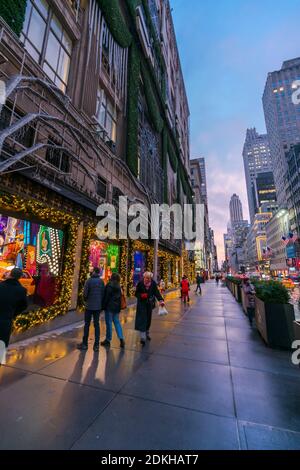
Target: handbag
{"points": [[123, 301]]}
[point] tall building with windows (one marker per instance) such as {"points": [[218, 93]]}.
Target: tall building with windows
{"points": [[256, 243], [293, 188], [236, 209], [282, 118], [96, 108], [228, 243], [257, 161], [237, 231], [199, 185]]}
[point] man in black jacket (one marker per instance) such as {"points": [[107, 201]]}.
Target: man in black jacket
{"points": [[93, 295], [13, 301]]}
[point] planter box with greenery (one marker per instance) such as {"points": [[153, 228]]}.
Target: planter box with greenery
{"points": [[273, 314], [244, 300], [233, 285]]}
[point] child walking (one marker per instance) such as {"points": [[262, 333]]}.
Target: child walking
{"points": [[185, 287]]}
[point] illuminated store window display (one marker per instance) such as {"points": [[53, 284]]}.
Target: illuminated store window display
{"points": [[37, 250], [106, 257], [139, 266]]}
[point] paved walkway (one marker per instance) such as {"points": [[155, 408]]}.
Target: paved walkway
{"points": [[206, 381]]}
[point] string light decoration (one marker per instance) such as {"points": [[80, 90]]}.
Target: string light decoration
{"points": [[169, 259], [138, 245], [124, 270], [89, 234], [69, 223], [189, 267], [52, 260]]}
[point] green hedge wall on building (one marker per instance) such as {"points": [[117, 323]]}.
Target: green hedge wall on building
{"points": [[114, 18], [152, 102], [132, 5], [172, 155], [132, 109], [13, 12]]}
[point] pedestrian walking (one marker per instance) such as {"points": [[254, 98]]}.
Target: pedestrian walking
{"points": [[217, 277], [112, 307], [199, 281], [185, 288], [162, 287], [249, 291], [147, 293], [13, 301], [93, 295]]}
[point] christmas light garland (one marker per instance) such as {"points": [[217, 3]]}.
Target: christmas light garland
{"points": [[138, 245], [169, 259], [88, 235], [69, 223]]}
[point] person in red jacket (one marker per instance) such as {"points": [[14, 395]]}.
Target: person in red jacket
{"points": [[185, 287]]}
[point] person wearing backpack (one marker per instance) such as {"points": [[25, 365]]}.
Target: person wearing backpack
{"points": [[93, 295], [112, 305]]}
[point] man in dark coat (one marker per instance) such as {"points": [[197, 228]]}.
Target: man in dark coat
{"points": [[199, 281], [146, 292], [93, 295], [13, 301]]}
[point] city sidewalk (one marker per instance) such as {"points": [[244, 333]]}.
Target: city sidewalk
{"points": [[205, 381]]}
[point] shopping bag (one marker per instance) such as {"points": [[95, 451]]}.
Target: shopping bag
{"points": [[123, 301], [162, 310], [2, 352]]}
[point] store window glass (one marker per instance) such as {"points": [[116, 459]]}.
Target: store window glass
{"points": [[139, 266], [106, 257], [37, 250], [107, 115], [47, 42]]}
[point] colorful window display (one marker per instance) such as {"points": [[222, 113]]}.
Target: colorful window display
{"points": [[139, 266], [105, 256], [37, 250]]}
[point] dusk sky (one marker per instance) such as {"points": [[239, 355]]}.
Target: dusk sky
{"points": [[227, 48]]}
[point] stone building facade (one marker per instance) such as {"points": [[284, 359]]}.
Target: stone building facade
{"points": [[95, 108]]}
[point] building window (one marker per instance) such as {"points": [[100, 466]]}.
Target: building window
{"points": [[107, 115], [101, 187], [47, 42], [57, 157]]}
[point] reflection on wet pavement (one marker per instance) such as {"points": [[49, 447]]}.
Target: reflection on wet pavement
{"points": [[205, 369]]}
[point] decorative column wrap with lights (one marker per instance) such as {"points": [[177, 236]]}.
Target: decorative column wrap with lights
{"points": [[69, 224]]}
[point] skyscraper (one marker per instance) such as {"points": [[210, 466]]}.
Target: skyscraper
{"points": [[257, 161], [236, 209], [265, 192], [203, 189], [282, 121], [196, 165]]}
